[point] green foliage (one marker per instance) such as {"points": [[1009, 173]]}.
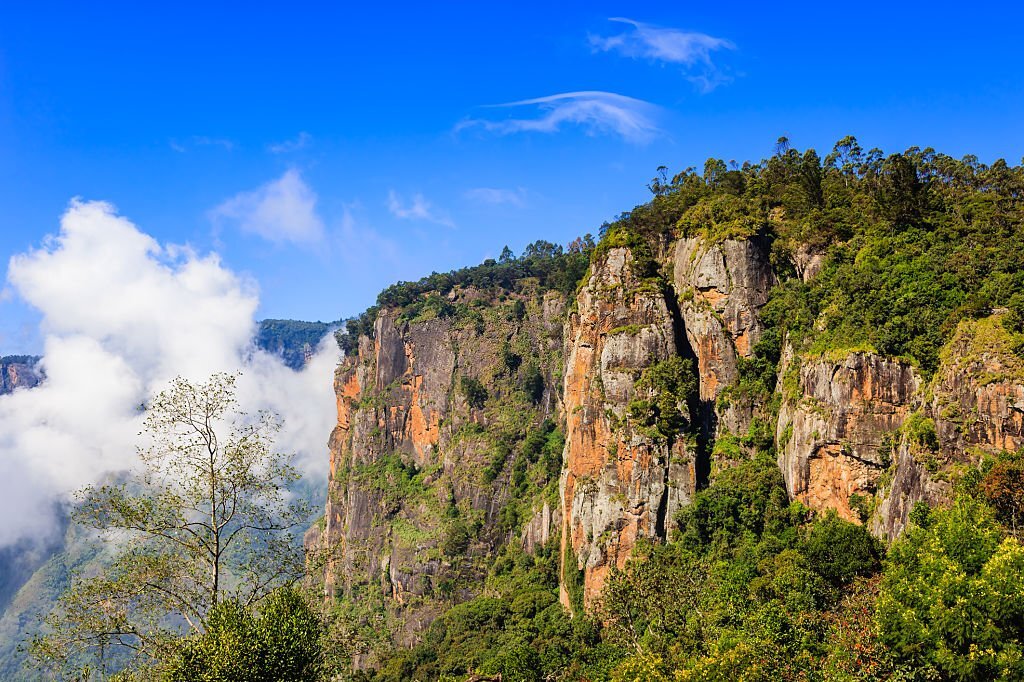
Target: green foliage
{"points": [[473, 391], [744, 501], [914, 242], [950, 601], [551, 266], [518, 630], [1003, 488], [533, 383], [920, 431], [280, 642], [752, 589], [662, 397], [292, 339], [840, 551]]}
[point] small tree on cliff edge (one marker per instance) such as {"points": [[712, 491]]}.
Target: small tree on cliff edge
{"points": [[206, 519]]}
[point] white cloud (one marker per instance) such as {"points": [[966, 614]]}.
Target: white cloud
{"points": [[300, 142], [497, 196], [594, 111], [671, 46], [418, 209], [204, 141], [122, 315], [283, 210]]}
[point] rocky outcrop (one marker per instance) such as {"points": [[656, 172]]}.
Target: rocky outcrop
{"points": [[808, 261], [831, 431], [19, 371], [619, 482], [429, 451], [976, 407], [721, 289], [979, 390]]}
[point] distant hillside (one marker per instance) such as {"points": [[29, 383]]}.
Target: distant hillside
{"points": [[292, 339], [17, 371]]}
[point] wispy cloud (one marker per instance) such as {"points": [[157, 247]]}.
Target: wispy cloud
{"points": [[283, 210], [417, 209], [361, 246], [496, 196], [201, 141], [596, 112], [689, 49], [300, 142]]}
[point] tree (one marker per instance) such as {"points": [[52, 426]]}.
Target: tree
{"points": [[280, 642], [206, 519], [950, 601], [1003, 488]]}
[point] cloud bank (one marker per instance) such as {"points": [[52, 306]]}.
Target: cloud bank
{"points": [[122, 315], [669, 46], [283, 210], [595, 112]]}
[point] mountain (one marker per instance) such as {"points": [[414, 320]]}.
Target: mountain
{"points": [[18, 371], [846, 334], [768, 426], [293, 340]]}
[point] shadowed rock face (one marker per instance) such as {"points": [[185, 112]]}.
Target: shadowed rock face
{"points": [[18, 372], [618, 484]]}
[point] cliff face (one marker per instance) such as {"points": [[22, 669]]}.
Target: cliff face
{"points": [[831, 431], [722, 288], [18, 371], [974, 406], [449, 445], [434, 462], [620, 482], [868, 437]]}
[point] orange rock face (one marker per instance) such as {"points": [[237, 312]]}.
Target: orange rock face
{"points": [[618, 484], [831, 434]]}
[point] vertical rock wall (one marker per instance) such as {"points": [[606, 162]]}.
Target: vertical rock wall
{"points": [[722, 288], [830, 435], [412, 520], [618, 483]]}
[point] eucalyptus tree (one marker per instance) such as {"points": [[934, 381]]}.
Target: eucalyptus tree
{"points": [[207, 518]]}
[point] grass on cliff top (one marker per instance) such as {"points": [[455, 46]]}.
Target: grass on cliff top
{"points": [[986, 349]]}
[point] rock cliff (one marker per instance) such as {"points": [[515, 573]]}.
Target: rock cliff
{"points": [[439, 455], [835, 432], [449, 445], [18, 371], [621, 481], [722, 288]]}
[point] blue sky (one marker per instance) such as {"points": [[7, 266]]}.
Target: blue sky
{"points": [[327, 150]]}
